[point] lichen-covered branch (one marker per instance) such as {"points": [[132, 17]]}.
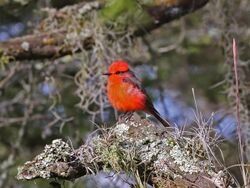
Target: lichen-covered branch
{"points": [[57, 160], [44, 45], [50, 42], [137, 147]]}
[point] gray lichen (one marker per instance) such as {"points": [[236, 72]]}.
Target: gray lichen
{"points": [[184, 161], [167, 155], [25, 45], [130, 146], [53, 161]]}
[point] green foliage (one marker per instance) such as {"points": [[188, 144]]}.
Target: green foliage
{"points": [[4, 59], [125, 12]]}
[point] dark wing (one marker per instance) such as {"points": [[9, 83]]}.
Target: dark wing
{"points": [[149, 105]]}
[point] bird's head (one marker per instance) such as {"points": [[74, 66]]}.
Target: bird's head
{"points": [[117, 68]]}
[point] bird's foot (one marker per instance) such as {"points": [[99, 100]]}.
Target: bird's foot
{"points": [[125, 117]]}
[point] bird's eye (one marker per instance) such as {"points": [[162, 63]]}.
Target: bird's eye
{"points": [[118, 72]]}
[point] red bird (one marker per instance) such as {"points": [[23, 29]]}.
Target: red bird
{"points": [[125, 92]]}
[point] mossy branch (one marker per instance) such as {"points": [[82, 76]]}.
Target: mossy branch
{"points": [[137, 147], [127, 14]]}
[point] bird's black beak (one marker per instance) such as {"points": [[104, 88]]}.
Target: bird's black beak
{"points": [[106, 74]]}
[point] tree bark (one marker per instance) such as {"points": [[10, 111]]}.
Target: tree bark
{"points": [[52, 44]]}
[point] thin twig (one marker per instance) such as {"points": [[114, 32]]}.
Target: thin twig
{"points": [[237, 98]]}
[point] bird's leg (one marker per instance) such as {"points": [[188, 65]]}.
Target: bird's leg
{"points": [[125, 116], [129, 116]]}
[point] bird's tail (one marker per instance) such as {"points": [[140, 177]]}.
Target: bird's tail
{"points": [[157, 115]]}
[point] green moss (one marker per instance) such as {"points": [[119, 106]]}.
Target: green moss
{"points": [[109, 153], [125, 12], [5, 59], [171, 142]]}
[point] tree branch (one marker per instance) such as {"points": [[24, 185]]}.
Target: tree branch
{"points": [[39, 46], [134, 146], [52, 43], [166, 11]]}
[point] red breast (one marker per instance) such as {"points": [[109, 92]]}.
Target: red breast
{"points": [[124, 96]]}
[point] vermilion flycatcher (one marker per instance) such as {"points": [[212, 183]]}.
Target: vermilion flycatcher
{"points": [[126, 93]]}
